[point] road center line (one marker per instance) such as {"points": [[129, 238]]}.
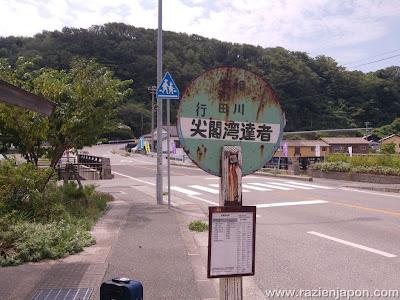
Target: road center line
{"points": [[130, 177], [291, 203], [352, 244]]}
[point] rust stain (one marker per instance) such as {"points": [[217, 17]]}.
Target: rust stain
{"points": [[199, 154]]}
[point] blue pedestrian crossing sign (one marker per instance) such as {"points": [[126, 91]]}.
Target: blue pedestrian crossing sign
{"points": [[167, 88]]}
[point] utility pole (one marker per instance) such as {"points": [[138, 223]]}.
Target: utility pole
{"points": [[159, 178], [152, 90]]}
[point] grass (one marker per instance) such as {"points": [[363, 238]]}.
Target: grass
{"points": [[198, 226]]}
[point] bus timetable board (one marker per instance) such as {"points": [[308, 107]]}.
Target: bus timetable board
{"points": [[231, 240]]}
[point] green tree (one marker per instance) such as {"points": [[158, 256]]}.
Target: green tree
{"points": [[389, 148], [86, 96]]}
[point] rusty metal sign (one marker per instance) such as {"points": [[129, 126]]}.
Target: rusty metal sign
{"points": [[230, 106]]}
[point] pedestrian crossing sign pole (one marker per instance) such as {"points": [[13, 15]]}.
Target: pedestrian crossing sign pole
{"points": [[168, 90]]}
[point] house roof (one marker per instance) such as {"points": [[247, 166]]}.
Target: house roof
{"points": [[388, 137], [172, 131], [345, 140], [304, 143]]}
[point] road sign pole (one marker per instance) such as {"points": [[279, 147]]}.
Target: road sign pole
{"points": [[230, 194], [169, 153], [159, 108]]}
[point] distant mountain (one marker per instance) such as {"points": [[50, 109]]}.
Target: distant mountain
{"points": [[315, 93]]}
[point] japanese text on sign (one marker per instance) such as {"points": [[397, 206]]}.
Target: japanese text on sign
{"points": [[231, 244], [198, 128]]}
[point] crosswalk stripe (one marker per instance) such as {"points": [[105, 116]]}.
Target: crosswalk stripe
{"points": [[204, 188], [217, 186], [292, 186], [311, 185], [272, 186], [184, 191], [256, 188], [277, 204]]}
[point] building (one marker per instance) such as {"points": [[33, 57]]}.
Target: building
{"points": [[341, 144], [174, 138], [303, 148], [393, 138]]}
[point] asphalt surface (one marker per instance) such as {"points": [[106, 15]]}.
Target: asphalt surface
{"points": [[310, 235]]}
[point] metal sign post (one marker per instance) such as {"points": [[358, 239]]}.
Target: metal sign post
{"points": [[167, 89], [168, 153]]}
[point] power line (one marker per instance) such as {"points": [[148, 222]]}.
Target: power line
{"points": [[366, 58], [371, 62]]}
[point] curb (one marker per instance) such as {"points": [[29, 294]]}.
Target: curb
{"points": [[372, 188], [183, 165], [295, 177]]}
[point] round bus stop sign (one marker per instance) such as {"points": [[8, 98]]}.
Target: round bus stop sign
{"points": [[230, 107]]}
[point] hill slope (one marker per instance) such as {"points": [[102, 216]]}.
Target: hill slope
{"points": [[315, 93]]}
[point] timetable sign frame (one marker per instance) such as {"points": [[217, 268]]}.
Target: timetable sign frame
{"points": [[232, 241]]}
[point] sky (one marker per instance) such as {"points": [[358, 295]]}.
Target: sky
{"points": [[354, 32]]}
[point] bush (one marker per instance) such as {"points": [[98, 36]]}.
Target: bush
{"points": [[198, 226], [388, 148], [336, 166], [380, 165], [22, 241], [51, 224]]}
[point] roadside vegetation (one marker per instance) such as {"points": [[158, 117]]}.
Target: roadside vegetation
{"points": [[370, 164], [198, 226], [36, 225]]}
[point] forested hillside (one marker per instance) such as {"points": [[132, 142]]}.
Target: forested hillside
{"points": [[315, 93]]}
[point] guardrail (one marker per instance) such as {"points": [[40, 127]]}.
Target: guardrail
{"points": [[101, 164]]}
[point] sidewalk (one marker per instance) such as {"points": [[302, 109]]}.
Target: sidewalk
{"points": [[135, 238]]}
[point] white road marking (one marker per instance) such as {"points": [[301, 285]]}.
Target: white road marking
{"points": [[291, 186], [184, 191], [217, 186], [272, 186], [203, 200], [311, 185], [277, 204], [352, 244], [204, 188], [211, 178], [130, 177], [256, 188], [368, 192]]}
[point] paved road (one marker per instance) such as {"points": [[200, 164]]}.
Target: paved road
{"points": [[310, 235]]}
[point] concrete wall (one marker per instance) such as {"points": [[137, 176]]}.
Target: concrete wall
{"points": [[372, 178]]}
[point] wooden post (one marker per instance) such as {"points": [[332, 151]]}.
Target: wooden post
{"points": [[231, 195]]}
